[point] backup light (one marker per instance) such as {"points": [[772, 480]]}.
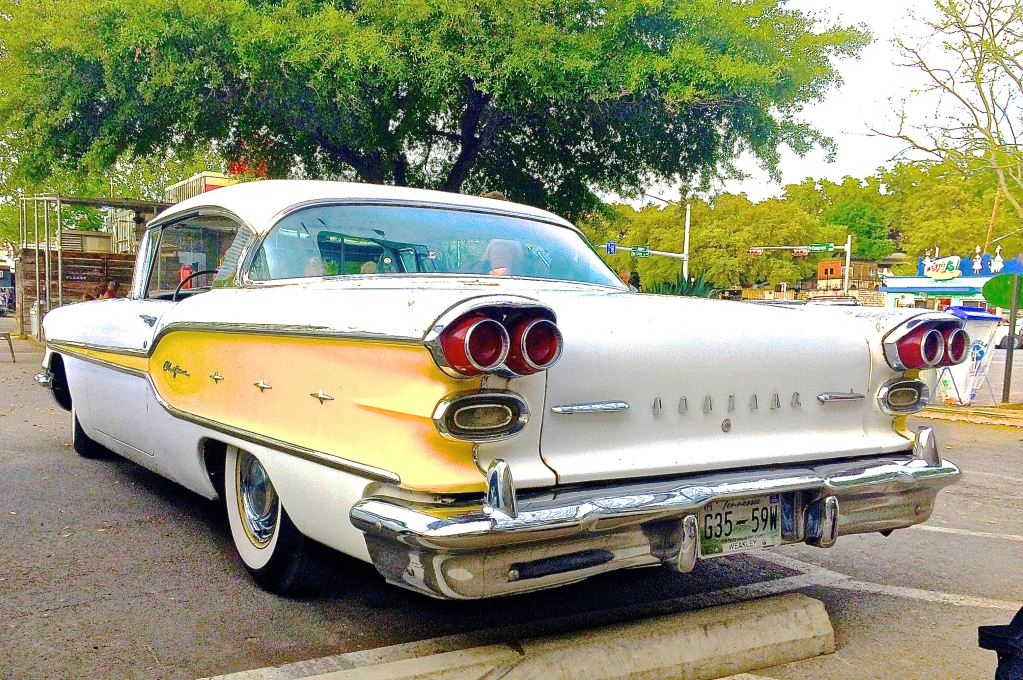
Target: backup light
{"points": [[901, 396], [490, 415]]}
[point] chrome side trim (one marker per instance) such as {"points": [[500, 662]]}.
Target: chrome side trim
{"points": [[826, 397], [44, 379], [328, 460], [597, 407], [68, 350], [60, 345], [310, 332]]}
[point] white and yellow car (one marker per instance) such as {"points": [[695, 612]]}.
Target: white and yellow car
{"points": [[461, 392]]}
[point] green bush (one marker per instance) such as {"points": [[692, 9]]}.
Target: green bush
{"points": [[697, 286]]}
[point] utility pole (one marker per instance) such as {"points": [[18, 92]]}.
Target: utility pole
{"points": [[685, 245], [848, 256]]}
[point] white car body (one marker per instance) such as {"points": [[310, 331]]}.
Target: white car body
{"points": [[656, 408]]}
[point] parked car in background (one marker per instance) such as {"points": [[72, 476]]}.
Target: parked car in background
{"points": [[461, 392], [1001, 339]]}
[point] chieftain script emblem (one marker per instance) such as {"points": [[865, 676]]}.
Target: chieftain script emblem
{"points": [[175, 370]]}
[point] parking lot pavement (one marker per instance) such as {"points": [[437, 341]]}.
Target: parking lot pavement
{"points": [[106, 570]]}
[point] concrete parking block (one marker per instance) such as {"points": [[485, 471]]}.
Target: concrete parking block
{"points": [[710, 643]]}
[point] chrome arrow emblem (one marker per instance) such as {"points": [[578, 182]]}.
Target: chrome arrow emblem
{"points": [[262, 386], [216, 377], [322, 396]]}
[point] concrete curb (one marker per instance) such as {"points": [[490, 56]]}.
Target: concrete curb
{"points": [[976, 415], [710, 643]]}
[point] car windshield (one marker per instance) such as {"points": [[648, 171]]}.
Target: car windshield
{"points": [[338, 240]]}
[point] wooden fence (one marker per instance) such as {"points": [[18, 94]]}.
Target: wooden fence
{"points": [[83, 274]]}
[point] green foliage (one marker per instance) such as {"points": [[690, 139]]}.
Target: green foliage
{"points": [[912, 207], [697, 286], [547, 100]]}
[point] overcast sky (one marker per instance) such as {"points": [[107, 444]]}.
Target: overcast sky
{"points": [[874, 86]]}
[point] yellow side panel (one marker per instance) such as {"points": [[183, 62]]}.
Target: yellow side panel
{"points": [[383, 397]]}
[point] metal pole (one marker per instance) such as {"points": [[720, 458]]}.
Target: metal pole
{"points": [[46, 228], [1007, 384], [848, 255], [685, 245], [60, 256], [39, 285]]}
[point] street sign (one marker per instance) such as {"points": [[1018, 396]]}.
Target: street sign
{"points": [[612, 247], [756, 252], [998, 291], [800, 252], [820, 248], [640, 251]]}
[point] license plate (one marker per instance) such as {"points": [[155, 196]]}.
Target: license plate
{"points": [[740, 525]]}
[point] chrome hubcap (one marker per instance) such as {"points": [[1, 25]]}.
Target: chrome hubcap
{"points": [[257, 500]]}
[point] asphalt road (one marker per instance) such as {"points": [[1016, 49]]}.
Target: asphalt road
{"points": [[107, 570]]}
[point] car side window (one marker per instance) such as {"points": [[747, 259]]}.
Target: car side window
{"points": [[198, 253]]}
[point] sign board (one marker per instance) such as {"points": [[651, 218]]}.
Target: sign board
{"points": [[612, 247], [821, 247], [998, 291], [640, 251], [944, 269], [756, 252], [800, 252]]}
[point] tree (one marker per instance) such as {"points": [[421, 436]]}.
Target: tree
{"points": [[976, 78], [547, 100], [861, 208], [948, 206]]}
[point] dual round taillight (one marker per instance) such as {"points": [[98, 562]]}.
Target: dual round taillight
{"points": [[535, 345], [928, 347], [477, 343]]}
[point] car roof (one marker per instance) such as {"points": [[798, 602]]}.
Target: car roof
{"points": [[260, 203]]}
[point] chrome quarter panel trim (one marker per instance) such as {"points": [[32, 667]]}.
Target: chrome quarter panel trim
{"points": [[69, 349], [596, 407], [826, 397], [64, 345]]}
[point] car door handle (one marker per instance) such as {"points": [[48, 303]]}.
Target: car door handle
{"points": [[150, 320]]}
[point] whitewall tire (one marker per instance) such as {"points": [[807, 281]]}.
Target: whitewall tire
{"points": [[271, 548]]}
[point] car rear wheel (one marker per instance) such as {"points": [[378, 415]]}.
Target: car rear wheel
{"points": [[84, 446], [272, 550]]}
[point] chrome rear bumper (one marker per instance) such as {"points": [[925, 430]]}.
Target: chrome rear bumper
{"points": [[470, 550]]}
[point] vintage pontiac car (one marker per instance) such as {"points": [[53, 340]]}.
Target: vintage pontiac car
{"points": [[460, 391]]}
